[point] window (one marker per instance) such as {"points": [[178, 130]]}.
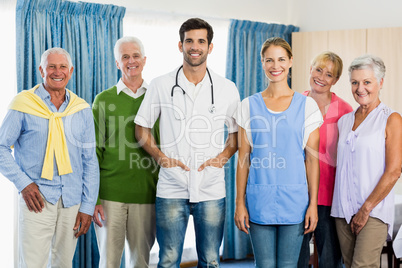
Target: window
{"points": [[160, 35]]}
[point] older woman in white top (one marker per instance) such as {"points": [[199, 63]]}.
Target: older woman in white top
{"points": [[369, 164]]}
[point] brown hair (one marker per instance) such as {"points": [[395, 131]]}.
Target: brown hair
{"points": [[276, 41], [196, 24]]}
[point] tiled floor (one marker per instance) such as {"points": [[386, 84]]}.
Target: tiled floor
{"points": [[249, 263]]}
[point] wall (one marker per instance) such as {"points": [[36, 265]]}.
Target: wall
{"points": [[309, 15], [317, 15]]}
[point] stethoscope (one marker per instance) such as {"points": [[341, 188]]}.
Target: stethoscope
{"points": [[211, 109]]}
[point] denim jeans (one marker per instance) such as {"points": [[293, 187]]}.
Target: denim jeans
{"points": [[276, 245], [329, 251], [171, 224]]}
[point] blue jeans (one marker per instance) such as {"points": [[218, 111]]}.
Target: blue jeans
{"points": [[171, 224], [276, 245], [329, 251]]}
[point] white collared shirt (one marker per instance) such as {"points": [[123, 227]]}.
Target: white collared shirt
{"points": [[121, 87], [193, 89], [193, 140]]}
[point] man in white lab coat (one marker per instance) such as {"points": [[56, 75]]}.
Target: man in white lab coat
{"points": [[193, 104]]}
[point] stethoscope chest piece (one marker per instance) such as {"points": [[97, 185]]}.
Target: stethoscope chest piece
{"points": [[212, 109]]}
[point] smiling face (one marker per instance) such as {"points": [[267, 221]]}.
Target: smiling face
{"points": [[276, 63], [56, 73], [365, 87], [130, 61], [195, 47], [322, 77]]}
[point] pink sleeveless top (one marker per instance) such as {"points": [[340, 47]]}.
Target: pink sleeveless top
{"points": [[328, 144]]}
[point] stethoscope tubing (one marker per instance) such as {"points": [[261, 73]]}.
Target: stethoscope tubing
{"points": [[184, 93]]}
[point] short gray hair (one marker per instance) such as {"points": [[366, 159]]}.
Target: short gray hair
{"points": [[55, 50], [127, 39], [369, 62]]}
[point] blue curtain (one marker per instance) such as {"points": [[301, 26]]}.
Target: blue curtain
{"points": [[243, 67], [88, 32]]}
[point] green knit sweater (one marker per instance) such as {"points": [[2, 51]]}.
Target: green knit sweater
{"points": [[128, 174]]}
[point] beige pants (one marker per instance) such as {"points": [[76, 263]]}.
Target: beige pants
{"points": [[363, 250], [50, 231], [134, 223]]}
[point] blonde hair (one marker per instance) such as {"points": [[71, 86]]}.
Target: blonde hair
{"points": [[321, 61]]}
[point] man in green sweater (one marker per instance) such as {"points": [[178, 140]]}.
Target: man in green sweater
{"points": [[128, 175]]}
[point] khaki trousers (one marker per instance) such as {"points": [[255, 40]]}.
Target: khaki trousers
{"points": [[363, 250], [133, 223], [48, 232]]}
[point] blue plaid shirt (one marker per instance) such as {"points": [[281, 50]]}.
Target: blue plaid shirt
{"points": [[28, 134]]}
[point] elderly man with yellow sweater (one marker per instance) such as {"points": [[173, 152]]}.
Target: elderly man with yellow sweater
{"points": [[128, 175], [54, 165]]}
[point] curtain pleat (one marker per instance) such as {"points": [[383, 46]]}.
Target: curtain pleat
{"points": [[88, 31], [243, 66]]}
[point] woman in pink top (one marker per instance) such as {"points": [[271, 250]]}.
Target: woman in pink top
{"points": [[325, 70], [369, 164]]}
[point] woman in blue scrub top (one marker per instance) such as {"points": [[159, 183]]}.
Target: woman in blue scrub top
{"points": [[278, 169]]}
